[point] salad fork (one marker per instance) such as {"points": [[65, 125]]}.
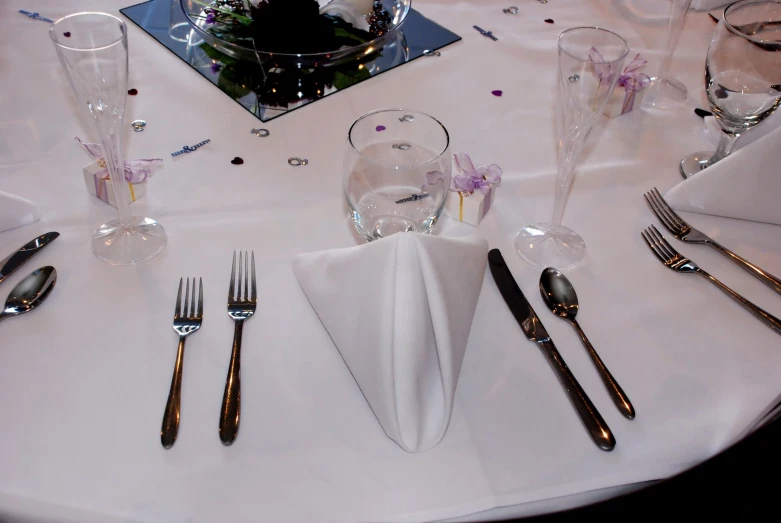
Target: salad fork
{"points": [[686, 233], [677, 262], [186, 321], [241, 306]]}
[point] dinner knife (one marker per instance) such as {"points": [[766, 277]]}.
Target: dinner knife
{"points": [[20, 257], [532, 326]]}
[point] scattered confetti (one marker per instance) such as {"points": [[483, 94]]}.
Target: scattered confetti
{"points": [[483, 32], [187, 149], [497, 92], [512, 10], [549, 20], [66, 34], [132, 92], [702, 112], [295, 161], [215, 67], [260, 132], [36, 16], [237, 161], [380, 128]]}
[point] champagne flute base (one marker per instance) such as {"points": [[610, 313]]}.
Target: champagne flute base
{"points": [[665, 93], [141, 241], [544, 245], [695, 163]]}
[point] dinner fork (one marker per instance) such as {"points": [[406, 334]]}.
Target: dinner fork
{"points": [[186, 321], [686, 233], [240, 307], [675, 261]]}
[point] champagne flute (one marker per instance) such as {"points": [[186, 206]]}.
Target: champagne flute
{"points": [[590, 62], [92, 48], [742, 75], [666, 91]]}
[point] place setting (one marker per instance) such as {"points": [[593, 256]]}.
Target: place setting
{"points": [[420, 295]]}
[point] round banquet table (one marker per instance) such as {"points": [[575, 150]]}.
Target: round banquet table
{"points": [[84, 379]]}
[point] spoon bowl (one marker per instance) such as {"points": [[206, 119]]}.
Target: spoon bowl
{"points": [[30, 292], [560, 297]]}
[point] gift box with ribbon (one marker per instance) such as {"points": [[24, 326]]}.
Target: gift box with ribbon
{"points": [[98, 182], [471, 190], [629, 88]]}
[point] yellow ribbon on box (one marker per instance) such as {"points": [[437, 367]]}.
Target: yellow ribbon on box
{"points": [[99, 186]]}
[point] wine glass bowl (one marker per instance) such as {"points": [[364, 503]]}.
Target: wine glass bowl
{"points": [[742, 75], [397, 168]]}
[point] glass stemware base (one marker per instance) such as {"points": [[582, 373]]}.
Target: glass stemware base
{"points": [[546, 245], [695, 163], [141, 241], [665, 93]]}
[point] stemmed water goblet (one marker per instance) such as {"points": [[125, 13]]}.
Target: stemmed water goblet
{"points": [[92, 48], [590, 62], [742, 75]]}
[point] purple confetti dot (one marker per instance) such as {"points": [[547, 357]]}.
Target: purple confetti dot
{"points": [[496, 93], [132, 92], [66, 34], [549, 20], [380, 128], [237, 161]]}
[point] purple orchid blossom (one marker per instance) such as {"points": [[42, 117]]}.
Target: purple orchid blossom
{"points": [[470, 179]]}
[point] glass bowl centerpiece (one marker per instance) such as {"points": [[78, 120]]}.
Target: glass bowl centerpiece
{"points": [[303, 33]]}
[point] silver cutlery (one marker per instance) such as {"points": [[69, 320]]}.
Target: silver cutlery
{"points": [[30, 292], [675, 261], [241, 306], [187, 319], [560, 297], [686, 233], [24, 253], [533, 329]]}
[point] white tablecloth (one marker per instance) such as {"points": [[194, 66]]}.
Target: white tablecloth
{"points": [[83, 380]]}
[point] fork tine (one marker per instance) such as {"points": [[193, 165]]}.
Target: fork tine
{"points": [[186, 312], [246, 276], [238, 282], [671, 226], [192, 304], [199, 312], [666, 245], [650, 244], [233, 277], [669, 210], [178, 300], [660, 242], [254, 295]]}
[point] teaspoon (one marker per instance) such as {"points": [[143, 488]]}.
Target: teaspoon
{"points": [[560, 297], [30, 292]]}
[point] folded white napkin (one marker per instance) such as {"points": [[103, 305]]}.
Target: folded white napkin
{"points": [[399, 311], [15, 212], [707, 5], [744, 185]]}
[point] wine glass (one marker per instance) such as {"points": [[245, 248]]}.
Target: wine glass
{"points": [[92, 48], [668, 92], [397, 168], [742, 75], [590, 62]]}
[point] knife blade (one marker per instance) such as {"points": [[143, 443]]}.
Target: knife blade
{"points": [[534, 330], [27, 251]]}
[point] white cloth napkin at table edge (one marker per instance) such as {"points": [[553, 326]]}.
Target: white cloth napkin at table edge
{"points": [[16, 212], [744, 185], [399, 311], [713, 131]]}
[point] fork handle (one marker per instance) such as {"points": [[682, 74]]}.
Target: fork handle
{"points": [[762, 275], [170, 428], [762, 315], [231, 399]]}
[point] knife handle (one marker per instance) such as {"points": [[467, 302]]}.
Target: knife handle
{"points": [[589, 415]]}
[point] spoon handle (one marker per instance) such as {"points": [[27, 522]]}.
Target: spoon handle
{"points": [[613, 388]]}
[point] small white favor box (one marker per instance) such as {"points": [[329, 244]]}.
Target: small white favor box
{"points": [[619, 103], [469, 208], [99, 185]]}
